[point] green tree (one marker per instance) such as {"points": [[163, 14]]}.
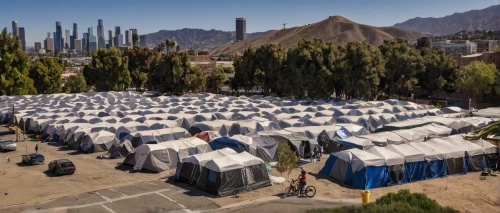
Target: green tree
{"points": [[217, 78], [270, 60], [287, 159], [423, 42], [363, 67], [440, 71], [143, 60], [229, 70], [402, 64], [308, 73], [109, 70], [14, 67], [47, 75], [177, 76], [476, 78], [245, 67], [496, 49], [75, 84], [139, 79]]}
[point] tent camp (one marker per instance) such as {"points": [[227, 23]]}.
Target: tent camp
{"points": [[435, 160], [263, 147], [474, 157], [165, 156], [233, 174], [98, 141], [491, 154], [414, 167], [394, 161]]}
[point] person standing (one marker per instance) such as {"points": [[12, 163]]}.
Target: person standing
{"points": [[36, 148], [8, 159]]}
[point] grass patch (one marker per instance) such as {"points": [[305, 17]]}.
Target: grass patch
{"points": [[401, 202]]}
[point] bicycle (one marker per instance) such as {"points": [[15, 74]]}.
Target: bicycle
{"points": [[293, 189]]}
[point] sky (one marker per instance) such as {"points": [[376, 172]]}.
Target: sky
{"points": [[39, 17]]}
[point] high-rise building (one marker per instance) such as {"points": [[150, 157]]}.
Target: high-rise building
{"points": [[128, 37], [75, 30], [120, 40], [22, 37], [38, 46], [50, 45], [142, 41], [72, 42], [100, 34], [241, 29], [84, 41], [48, 34], [134, 32], [67, 34], [91, 32], [15, 29], [92, 43], [110, 36], [117, 30], [58, 46], [78, 45]]}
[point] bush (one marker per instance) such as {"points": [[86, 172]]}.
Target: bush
{"points": [[400, 202], [287, 159]]}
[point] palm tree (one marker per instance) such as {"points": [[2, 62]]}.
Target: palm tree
{"points": [[135, 38]]}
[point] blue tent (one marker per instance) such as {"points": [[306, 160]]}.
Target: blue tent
{"points": [[414, 162], [226, 142], [357, 168], [435, 162]]}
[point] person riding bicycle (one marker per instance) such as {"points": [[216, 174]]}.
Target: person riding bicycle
{"points": [[302, 180]]}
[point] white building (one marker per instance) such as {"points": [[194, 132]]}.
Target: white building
{"points": [[78, 45], [464, 47]]}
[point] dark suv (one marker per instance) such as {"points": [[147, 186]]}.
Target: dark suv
{"points": [[61, 167], [33, 158]]}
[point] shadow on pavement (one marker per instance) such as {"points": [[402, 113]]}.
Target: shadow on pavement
{"points": [[190, 190]]}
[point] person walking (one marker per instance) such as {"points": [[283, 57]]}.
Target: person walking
{"points": [[36, 148], [8, 159]]}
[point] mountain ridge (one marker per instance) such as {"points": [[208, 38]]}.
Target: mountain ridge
{"points": [[483, 19], [335, 29]]}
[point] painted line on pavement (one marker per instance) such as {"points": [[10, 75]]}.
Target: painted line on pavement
{"points": [[110, 210], [118, 192], [151, 183], [105, 198], [182, 206]]}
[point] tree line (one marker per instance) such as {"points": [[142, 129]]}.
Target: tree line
{"points": [[311, 68], [316, 69]]}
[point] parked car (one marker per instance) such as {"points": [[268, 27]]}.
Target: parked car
{"points": [[7, 145], [61, 167], [33, 158]]}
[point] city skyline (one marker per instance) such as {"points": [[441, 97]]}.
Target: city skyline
{"points": [[155, 15]]}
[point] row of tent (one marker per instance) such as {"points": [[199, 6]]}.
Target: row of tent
{"points": [[404, 163]]}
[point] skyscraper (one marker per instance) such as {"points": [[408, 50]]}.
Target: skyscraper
{"points": [[38, 46], [50, 44], [110, 35], [22, 37], [142, 40], [58, 37], [117, 30], [134, 32], [72, 42], [15, 29], [48, 34], [67, 41], [118, 37], [100, 34], [92, 43], [75, 30], [128, 38], [241, 29], [84, 41]]}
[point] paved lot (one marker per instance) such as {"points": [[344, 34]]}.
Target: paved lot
{"points": [[148, 197]]}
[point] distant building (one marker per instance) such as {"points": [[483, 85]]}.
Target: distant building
{"points": [[134, 32], [15, 29], [85, 41], [142, 41], [110, 41], [72, 42], [241, 29], [78, 45], [92, 43], [58, 46], [486, 57], [38, 46], [124, 48], [455, 47], [486, 45], [22, 37], [100, 34], [128, 38], [50, 45], [67, 40], [75, 30]]}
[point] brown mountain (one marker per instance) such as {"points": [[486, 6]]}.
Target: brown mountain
{"points": [[335, 29], [485, 19]]}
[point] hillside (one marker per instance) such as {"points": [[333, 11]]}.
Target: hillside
{"points": [[485, 19], [197, 39], [335, 29]]}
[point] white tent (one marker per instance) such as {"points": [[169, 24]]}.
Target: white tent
{"points": [[98, 141]]}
